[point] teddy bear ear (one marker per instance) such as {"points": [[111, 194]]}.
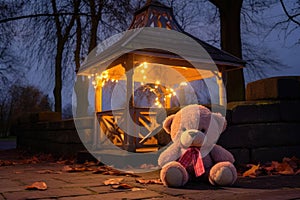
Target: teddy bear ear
{"points": [[167, 123], [220, 120]]}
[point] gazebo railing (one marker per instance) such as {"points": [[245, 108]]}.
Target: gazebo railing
{"points": [[113, 126]]}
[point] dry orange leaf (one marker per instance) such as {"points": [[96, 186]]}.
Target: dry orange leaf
{"points": [[113, 181], [252, 171], [122, 186], [37, 186], [48, 171], [285, 169], [150, 181], [70, 169]]}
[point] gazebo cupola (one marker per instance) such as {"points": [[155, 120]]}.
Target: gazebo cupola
{"points": [[155, 14]]}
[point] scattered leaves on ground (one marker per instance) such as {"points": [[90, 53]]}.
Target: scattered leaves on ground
{"points": [[288, 166], [37, 186], [6, 163], [149, 181]]}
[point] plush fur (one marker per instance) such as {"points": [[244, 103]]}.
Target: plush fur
{"points": [[197, 127]]}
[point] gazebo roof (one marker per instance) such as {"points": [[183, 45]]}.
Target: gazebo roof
{"points": [[133, 42], [156, 14]]}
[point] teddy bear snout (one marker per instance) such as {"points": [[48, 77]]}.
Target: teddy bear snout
{"points": [[192, 137]]}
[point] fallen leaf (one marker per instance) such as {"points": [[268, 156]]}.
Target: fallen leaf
{"points": [[252, 171], [70, 169], [122, 186], [109, 171], [149, 181], [65, 162], [137, 189], [37, 186], [47, 171], [6, 163], [113, 181], [285, 169]]}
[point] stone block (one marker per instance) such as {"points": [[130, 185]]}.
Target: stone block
{"points": [[261, 155], [290, 111], [260, 135], [254, 112], [285, 87], [241, 156], [84, 123], [62, 136], [40, 117]]}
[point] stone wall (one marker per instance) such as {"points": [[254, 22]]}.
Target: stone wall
{"points": [[41, 132], [266, 126]]}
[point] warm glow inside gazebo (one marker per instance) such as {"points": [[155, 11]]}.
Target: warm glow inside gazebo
{"points": [[160, 57]]}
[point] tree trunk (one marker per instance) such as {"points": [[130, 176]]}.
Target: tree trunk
{"points": [[230, 11], [62, 38], [83, 83], [58, 77]]}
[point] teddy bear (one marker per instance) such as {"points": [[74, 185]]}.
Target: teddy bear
{"points": [[193, 153]]}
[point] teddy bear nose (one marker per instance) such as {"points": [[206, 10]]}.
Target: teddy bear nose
{"points": [[193, 133]]}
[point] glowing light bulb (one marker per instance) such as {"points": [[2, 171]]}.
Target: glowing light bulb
{"points": [[144, 77], [145, 65], [157, 82], [183, 84]]}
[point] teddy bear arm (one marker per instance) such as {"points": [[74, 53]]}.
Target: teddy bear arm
{"points": [[172, 153], [219, 154]]}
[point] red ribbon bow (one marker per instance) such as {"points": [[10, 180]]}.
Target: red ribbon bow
{"points": [[193, 155]]}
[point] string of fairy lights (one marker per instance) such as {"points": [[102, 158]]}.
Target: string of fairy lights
{"points": [[100, 80]]}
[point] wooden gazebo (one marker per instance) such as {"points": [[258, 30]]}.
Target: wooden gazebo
{"points": [[146, 54]]}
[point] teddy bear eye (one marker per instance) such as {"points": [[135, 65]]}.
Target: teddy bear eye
{"points": [[183, 129], [202, 130]]}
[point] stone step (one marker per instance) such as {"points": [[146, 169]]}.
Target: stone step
{"points": [[284, 87], [260, 135], [264, 111]]}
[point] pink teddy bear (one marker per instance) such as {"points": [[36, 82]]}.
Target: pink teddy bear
{"points": [[194, 154]]}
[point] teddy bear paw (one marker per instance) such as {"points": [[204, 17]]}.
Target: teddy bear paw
{"points": [[223, 174], [173, 174]]}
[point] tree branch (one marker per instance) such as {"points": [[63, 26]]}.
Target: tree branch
{"points": [[291, 17], [43, 15]]}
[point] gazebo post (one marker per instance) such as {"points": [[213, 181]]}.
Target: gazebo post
{"points": [[98, 98], [129, 108], [222, 94]]}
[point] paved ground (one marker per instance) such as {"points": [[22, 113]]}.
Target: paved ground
{"points": [[86, 185]]}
